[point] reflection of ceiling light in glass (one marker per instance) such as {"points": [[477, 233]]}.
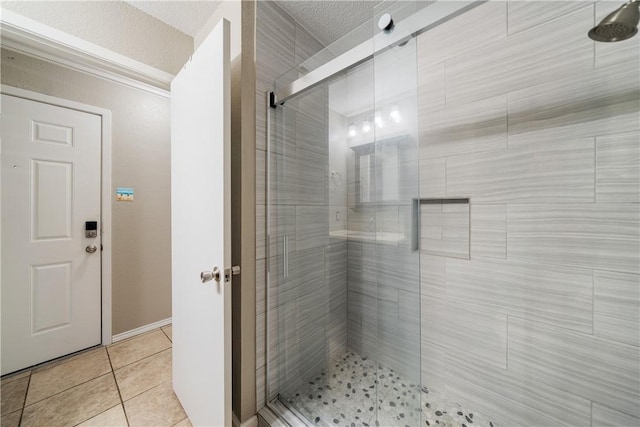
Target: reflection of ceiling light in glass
{"points": [[352, 131], [378, 120], [395, 114], [366, 126]]}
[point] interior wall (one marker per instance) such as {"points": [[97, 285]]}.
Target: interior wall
{"points": [[141, 139], [539, 126], [141, 229], [139, 36]]}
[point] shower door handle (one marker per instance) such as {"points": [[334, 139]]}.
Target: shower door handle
{"points": [[285, 257]]}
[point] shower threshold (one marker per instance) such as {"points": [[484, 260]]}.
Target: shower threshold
{"points": [[356, 391]]}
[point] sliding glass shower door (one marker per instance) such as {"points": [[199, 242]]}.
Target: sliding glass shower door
{"points": [[343, 293], [307, 289]]}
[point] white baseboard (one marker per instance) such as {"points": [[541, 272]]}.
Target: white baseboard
{"points": [[141, 330], [251, 422]]}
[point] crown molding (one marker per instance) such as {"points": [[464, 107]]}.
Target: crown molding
{"points": [[24, 35]]}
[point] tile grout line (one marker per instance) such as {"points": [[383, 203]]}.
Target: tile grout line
{"points": [[144, 391], [124, 410], [145, 357], [142, 358], [50, 364], [65, 390], [131, 338], [24, 401], [169, 337], [92, 417], [149, 389]]}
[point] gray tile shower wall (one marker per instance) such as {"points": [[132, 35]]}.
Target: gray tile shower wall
{"points": [[540, 128], [308, 309]]}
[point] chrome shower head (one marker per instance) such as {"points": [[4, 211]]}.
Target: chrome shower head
{"points": [[619, 25]]}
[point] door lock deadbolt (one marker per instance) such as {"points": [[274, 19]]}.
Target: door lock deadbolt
{"points": [[91, 229]]}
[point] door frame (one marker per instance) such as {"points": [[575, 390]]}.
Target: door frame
{"points": [[105, 191]]}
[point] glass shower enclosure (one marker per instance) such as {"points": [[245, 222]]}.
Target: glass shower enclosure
{"points": [[453, 222], [344, 297]]}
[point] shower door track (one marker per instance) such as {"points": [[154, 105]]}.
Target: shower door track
{"points": [[420, 22]]}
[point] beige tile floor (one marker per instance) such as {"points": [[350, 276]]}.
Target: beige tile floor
{"points": [[125, 384]]}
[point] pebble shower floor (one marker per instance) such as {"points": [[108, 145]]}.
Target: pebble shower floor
{"points": [[345, 395]]}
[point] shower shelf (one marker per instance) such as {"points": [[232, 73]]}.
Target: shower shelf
{"points": [[416, 226]]}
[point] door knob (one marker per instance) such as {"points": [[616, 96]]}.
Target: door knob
{"points": [[91, 249], [206, 276]]}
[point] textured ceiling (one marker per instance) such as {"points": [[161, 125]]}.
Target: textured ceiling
{"points": [[187, 16], [329, 20]]}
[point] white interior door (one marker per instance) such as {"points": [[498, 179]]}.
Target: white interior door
{"points": [[50, 187], [200, 222]]}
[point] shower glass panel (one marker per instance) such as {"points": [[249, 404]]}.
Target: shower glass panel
{"points": [[344, 301], [307, 304], [397, 261]]}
